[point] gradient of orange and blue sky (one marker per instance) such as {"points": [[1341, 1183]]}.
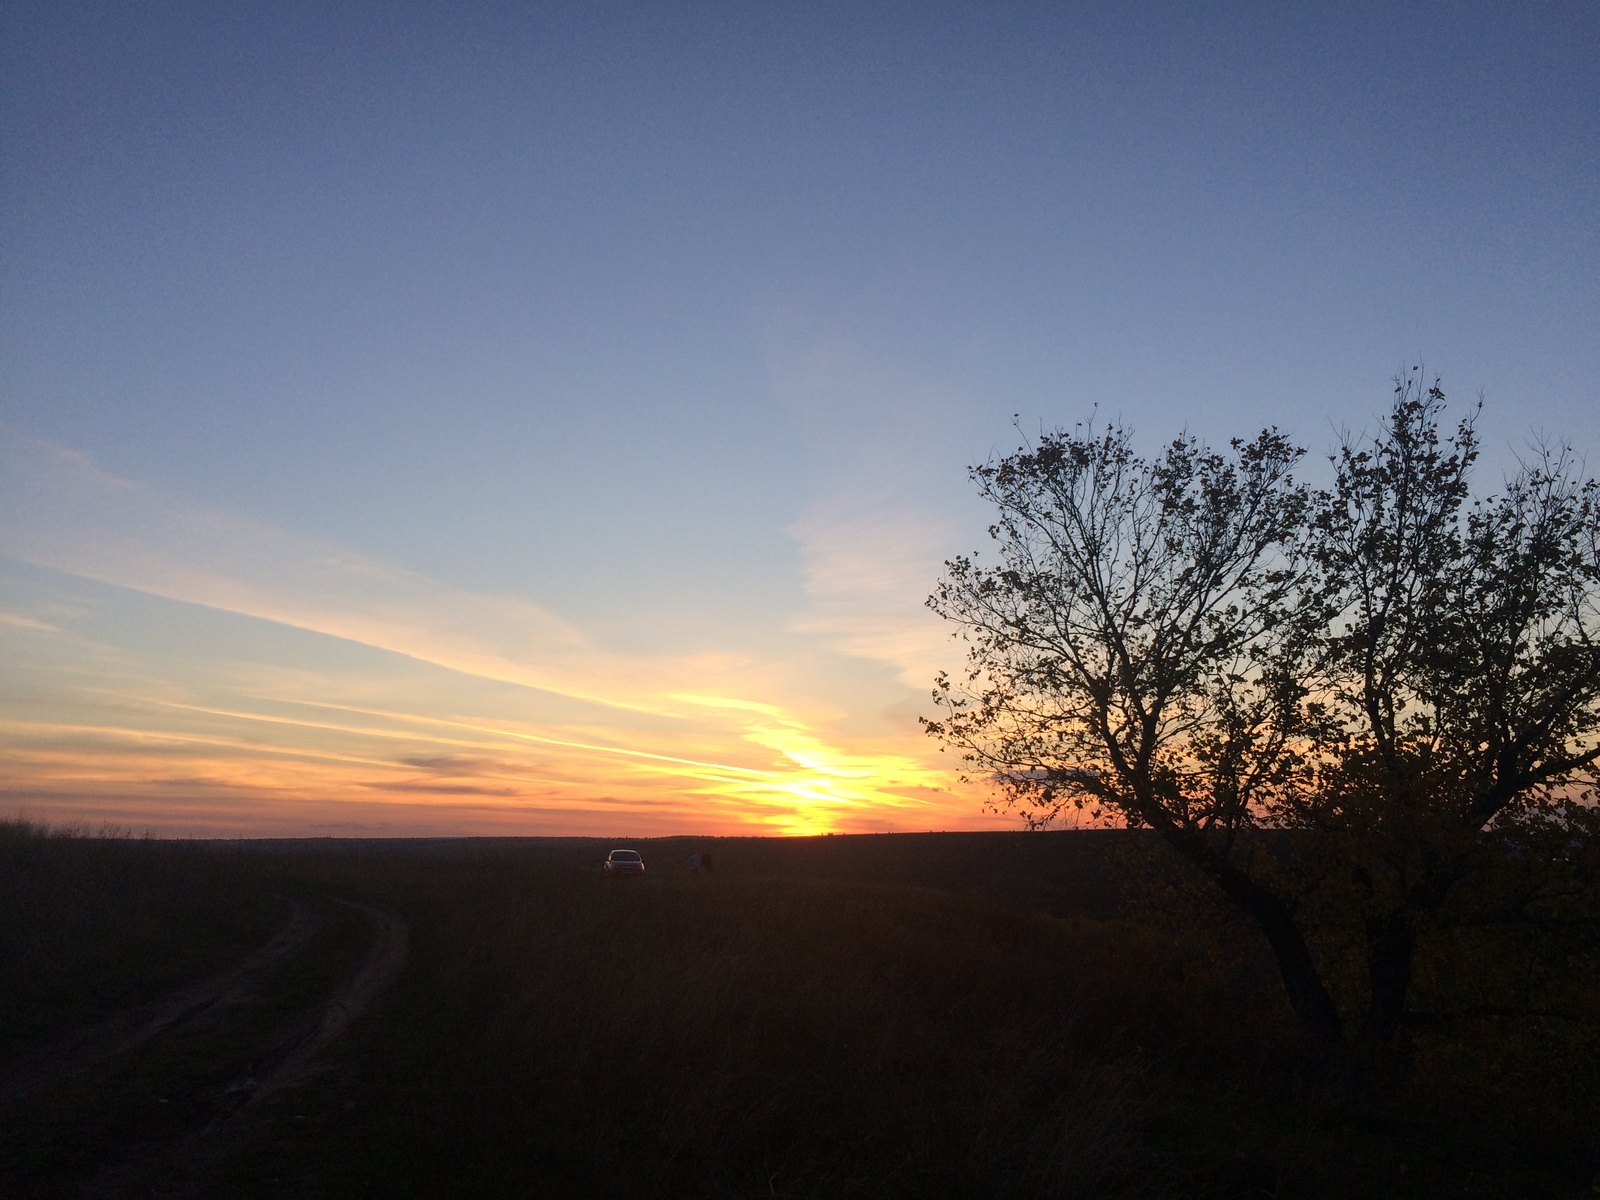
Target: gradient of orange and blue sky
{"points": [[549, 418]]}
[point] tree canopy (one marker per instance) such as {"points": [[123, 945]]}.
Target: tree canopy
{"points": [[1386, 681]]}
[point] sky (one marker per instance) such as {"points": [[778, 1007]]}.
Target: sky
{"points": [[425, 419]]}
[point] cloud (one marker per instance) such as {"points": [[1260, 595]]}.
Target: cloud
{"points": [[870, 559], [442, 789], [872, 544], [452, 764], [718, 740], [59, 510], [18, 621]]}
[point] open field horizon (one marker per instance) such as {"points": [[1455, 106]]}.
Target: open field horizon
{"points": [[917, 1015]]}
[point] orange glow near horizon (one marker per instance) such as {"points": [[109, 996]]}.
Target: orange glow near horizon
{"points": [[180, 670], [454, 775], [168, 759]]}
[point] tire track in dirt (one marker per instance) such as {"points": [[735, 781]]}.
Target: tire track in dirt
{"points": [[182, 1165], [132, 1028], [379, 968]]}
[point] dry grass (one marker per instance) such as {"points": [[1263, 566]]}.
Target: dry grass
{"points": [[92, 921], [740, 1037], [811, 1021]]}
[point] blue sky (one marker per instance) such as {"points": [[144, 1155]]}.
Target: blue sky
{"points": [[591, 356]]}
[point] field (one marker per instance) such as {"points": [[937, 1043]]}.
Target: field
{"points": [[906, 1015]]}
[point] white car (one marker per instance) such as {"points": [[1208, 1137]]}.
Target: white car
{"points": [[624, 862]]}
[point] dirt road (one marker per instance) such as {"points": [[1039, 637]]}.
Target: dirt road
{"points": [[194, 1119], [382, 964], [132, 1028]]}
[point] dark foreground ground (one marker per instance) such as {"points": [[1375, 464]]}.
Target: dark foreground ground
{"points": [[906, 1015]]}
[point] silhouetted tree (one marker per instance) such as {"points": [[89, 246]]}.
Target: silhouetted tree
{"points": [[1462, 664], [1203, 646]]}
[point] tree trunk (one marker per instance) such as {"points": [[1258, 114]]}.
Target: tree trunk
{"points": [[1391, 947], [1321, 1030], [1320, 1026]]}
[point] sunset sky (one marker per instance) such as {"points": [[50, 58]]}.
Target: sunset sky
{"points": [[549, 419]]}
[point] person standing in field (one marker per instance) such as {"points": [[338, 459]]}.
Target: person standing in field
{"points": [[694, 863]]}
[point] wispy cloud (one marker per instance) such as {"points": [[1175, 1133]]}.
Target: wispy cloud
{"points": [[442, 789], [717, 740], [873, 541], [63, 512], [451, 764], [870, 560], [18, 621]]}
